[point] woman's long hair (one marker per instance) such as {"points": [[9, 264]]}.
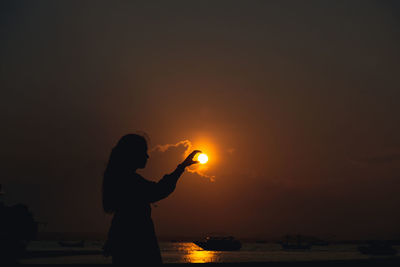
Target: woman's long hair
{"points": [[122, 158]]}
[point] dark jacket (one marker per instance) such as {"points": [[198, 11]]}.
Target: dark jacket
{"points": [[131, 237]]}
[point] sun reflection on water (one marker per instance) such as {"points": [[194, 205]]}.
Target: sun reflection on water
{"points": [[195, 254]]}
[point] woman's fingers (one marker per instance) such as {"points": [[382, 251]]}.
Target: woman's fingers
{"points": [[189, 159], [192, 162], [191, 155]]}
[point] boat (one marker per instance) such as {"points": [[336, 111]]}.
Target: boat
{"points": [[295, 243], [219, 243], [316, 241], [72, 243], [377, 248]]}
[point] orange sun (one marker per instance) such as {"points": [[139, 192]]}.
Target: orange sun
{"points": [[202, 158]]}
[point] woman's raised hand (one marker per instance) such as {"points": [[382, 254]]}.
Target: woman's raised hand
{"points": [[189, 159]]}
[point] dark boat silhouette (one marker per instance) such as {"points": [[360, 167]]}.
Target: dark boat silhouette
{"points": [[316, 241], [295, 243], [216, 243], [378, 248], [72, 243]]}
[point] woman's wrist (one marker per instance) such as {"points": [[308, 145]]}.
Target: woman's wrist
{"points": [[181, 167]]}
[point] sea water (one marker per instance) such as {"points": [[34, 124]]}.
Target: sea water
{"points": [[187, 252]]}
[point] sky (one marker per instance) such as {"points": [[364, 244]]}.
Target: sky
{"points": [[295, 103]]}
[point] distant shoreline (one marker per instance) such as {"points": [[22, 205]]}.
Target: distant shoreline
{"points": [[262, 238], [330, 263]]}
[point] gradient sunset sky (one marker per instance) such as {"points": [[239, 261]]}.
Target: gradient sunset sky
{"points": [[296, 104]]}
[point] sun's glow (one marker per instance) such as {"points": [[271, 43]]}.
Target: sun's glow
{"points": [[202, 158], [194, 254]]}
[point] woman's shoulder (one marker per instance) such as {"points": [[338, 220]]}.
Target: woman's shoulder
{"points": [[127, 179], [139, 178]]}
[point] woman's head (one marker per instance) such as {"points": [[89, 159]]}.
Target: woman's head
{"points": [[127, 156], [131, 152]]}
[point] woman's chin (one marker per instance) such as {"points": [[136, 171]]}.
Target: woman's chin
{"points": [[142, 166]]}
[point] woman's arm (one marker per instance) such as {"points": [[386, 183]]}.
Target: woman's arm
{"points": [[167, 184]]}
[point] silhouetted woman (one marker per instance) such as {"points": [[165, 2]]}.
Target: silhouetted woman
{"points": [[126, 194]]}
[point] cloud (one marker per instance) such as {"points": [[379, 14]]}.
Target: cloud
{"points": [[201, 173], [184, 143], [188, 148]]}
